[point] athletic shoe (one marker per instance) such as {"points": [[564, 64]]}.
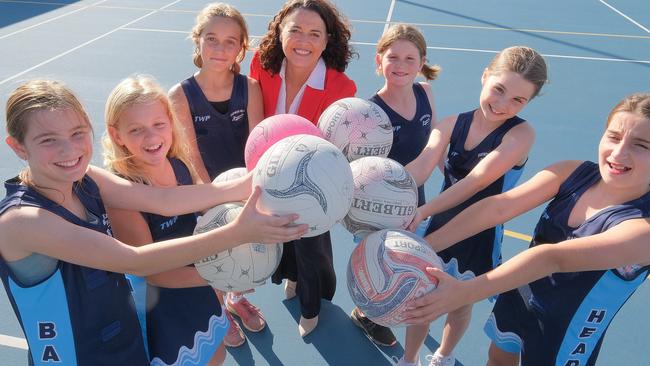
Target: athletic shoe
{"points": [[251, 317], [235, 336], [379, 334], [439, 360]]}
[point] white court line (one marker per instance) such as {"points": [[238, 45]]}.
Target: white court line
{"points": [[13, 342], [435, 48], [83, 44], [51, 19], [545, 55], [389, 16], [625, 16]]}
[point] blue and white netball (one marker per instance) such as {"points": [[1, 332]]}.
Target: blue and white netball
{"points": [[385, 196], [241, 268], [306, 175], [386, 271], [358, 127]]}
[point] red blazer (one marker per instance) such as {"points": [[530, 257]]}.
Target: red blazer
{"points": [[314, 101]]}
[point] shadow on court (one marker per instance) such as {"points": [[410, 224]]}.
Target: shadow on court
{"points": [[11, 13], [527, 33]]}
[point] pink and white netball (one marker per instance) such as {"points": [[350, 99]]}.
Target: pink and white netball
{"points": [[272, 130], [306, 175], [386, 271], [241, 268], [385, 196], [358, 127]]}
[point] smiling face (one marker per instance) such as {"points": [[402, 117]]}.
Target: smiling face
{"points": [[58, 147], [504, 94], [303, 38], [400, 63], [624, 152], [145, 130], [220, 43]]}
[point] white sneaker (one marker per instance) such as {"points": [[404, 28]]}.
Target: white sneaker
{"points": [[401, 362], [439, 360]]}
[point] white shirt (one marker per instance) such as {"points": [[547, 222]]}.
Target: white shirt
{"points": [[316, 80]]}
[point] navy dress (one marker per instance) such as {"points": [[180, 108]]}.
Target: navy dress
{"points": [[78, 315], [221, 137], [184, 325], [481, 252], [561, 319], [409, 137]]}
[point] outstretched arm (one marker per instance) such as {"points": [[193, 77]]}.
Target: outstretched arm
{"points": [[624, 244], [26, 230], [500, 208], [123, 194], [512, 151], [422, 167]]}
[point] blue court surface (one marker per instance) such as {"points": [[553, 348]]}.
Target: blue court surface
{"points": [[597, 52]]}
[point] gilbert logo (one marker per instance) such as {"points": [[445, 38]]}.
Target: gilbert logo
{"points": [[202, 118]]}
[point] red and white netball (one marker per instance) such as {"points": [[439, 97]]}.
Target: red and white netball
{"points": [[306, 175], [272, 130], [358, 127], [386, 271]]}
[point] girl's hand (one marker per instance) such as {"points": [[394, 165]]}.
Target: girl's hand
{"points": [[417, 219], [254, 226], [449, 295]]}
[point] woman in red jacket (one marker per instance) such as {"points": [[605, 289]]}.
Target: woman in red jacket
{"points": [[299, 67]]}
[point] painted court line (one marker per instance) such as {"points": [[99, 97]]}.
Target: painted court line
{"points": [[51, 19], [13, 342], [625, 16], [82, 45], [389, 15]]}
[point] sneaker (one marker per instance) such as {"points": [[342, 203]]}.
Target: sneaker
{"points": [[235, 336], [251, 317], [379, 334], [439, 360]]}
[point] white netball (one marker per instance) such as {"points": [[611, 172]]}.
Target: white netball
{"points": [[306, 175], [358, 127], [241, 268], [385, 196], [230, 174]]}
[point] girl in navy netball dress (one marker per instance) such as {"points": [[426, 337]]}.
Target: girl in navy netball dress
{"points": [[486, 152], [588, 255], [218, 107], [401, 57], [59, 264], [145, 144]]}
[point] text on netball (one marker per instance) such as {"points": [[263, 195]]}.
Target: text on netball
{"points": [[595, 318], [372, 151], [272, 166], [382, 208]]}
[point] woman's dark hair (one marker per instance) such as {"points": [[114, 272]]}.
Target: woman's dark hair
{"points": [[337, 53]]}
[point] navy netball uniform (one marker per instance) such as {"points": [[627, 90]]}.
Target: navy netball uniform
{"points": [[77, 315], [481, 252], [221, 127], [561, 319], [409, 137], [184, 325]]}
